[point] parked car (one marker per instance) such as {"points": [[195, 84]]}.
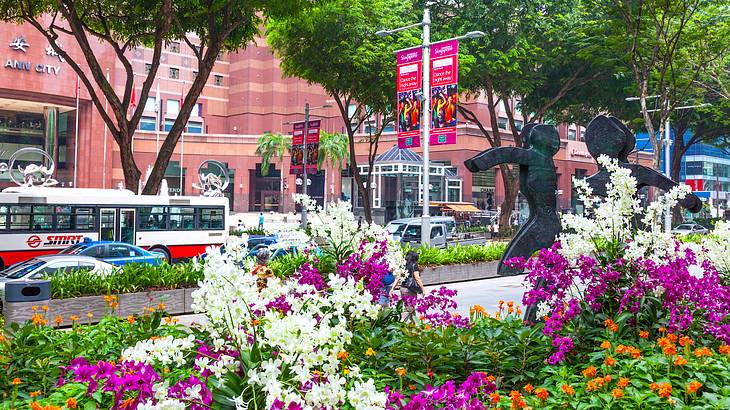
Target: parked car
{"points": [[397, 227], [412, 235], [49, 265], [689, 228], [275, 251], [116, 253]]}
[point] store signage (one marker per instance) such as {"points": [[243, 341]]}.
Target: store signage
{"points": [[695, 184], [21, 44], [298, 150], [35, 241], [578, 153], [441, 101]]}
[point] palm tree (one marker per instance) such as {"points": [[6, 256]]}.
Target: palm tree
{"points": [[334, 151], [273, 147]]}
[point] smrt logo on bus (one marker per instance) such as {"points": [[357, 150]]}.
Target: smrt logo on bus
{"points": [[54, 240]]}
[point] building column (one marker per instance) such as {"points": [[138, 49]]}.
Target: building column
{"points": [[50, 126]]}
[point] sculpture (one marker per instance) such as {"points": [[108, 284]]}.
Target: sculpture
{"points": [[609, 136], [538, 183], [212, 184], [32, 174]]}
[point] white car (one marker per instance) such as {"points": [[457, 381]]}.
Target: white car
{"points": [[686, 229], [49, 265]]}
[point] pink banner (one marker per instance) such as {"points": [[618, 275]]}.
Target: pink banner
{"points": [[298, 150], [409, 83], [444, 92]]}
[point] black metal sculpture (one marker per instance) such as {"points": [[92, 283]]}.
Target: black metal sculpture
{"points": [[538, 183], [609, 136]]}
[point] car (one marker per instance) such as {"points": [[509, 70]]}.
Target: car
{"points": [[48, 265], [397, 227], [412, 235], [116, 253], [689, 228], [274, 251]]}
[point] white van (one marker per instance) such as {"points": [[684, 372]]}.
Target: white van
{"points": [[412, 235], [396, 227]]}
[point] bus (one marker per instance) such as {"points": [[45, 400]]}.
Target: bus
{"points": [[36, 221]]}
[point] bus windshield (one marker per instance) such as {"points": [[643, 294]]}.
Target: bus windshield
{"points": [[21, 269]]}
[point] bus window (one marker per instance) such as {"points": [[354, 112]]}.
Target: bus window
{"points": [[83, 219], [211, 218], [152, 218], [182, 218], [20, 217], [42, 218], [3, 217]]}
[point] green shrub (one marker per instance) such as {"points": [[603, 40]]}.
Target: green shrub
{"points": [[460, 254]]}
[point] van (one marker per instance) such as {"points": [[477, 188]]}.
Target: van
{"points": [[395, 228], [412, 235]]}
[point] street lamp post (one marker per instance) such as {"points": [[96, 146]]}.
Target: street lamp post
{"points": [[305, 157], [667, 144], [426, 112]]}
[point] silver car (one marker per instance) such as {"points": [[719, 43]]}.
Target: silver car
{"points": [[686, 229], [49, 265]]}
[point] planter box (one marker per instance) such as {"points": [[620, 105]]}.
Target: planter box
{"points": [[177, 301], [437, 275]]}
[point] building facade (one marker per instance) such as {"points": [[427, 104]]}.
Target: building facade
{"points": [[245, 96]]}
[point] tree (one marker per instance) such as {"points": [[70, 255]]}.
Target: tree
{"points": [[531, 60], [334, 151], [273, 147], [122, 25], [334, 46], [666, 45]]}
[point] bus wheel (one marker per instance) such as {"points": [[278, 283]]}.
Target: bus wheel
{"points": [[163, 250]]}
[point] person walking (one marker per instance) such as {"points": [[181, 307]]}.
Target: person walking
{"points": [[411, 287], [261, 221]]}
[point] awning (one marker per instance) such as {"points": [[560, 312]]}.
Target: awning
{"points": [[462, 207]]}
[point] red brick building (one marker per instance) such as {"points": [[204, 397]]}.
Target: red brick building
{"points": [[245, 96]]}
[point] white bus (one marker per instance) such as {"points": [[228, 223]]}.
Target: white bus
{"points": [[36, 221]]}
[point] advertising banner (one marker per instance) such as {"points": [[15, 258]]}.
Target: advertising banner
{"points": [[443, 97], [409, 83], [298, 150], [695, 184], [444, 92]]}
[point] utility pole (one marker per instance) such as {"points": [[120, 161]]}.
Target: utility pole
{"points": [[304, 170]]}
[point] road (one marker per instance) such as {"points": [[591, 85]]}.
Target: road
{"points": [[485, 292]]}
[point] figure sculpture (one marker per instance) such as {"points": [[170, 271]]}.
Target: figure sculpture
{"points": [[538, 183], [609, 136]]}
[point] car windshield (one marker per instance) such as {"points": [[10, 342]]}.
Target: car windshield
{"points": [[21, 269], [74, 249], [685, 227], [392, 228], [413, 231]]}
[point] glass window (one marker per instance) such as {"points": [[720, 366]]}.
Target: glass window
{"points": [[58, 268], [195, 75], [20, 217], [519, 124], [197, 110], [572, 135], [94, 251], [120, 251], [502, 123], [211, 218], [74, 218], [195, 127], [182, 218], [3, 217], [218, 79], [150, 104], [169, 124], [174, 73], [173, 106], [147, 124], [42, 219], [152, 218], [147, 68], [174, 46]]}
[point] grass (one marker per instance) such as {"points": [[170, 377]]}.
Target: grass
{"points": [[428, 256], [126, 279]]}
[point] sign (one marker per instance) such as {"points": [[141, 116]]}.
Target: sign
{"points": [[444, 92], [442, 99], [35, 241], [20, 44], [695, 184], [298, 150], [408, 87]]}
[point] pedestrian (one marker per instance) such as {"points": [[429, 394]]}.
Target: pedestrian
{"points": [[388, 281], [262, 271], [261, 221], [411, 287], [359, 222]]}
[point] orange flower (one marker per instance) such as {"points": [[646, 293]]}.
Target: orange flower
{"points": [[35, 406], [342, 355], [89, 315], [400, 372], [528, 388], [680, 361], [610, 361], [703, 351], [608, 378], [670, 350], [605, 344], [161, 306], [35, 393], [71, 403], [58, 320], [131, 319], [644, 334], [653, 386], [686, 341], [591, 385], [73, 318], [517, 401], [724, 349], [623, 382], [665, 390], [618, 393], [611, 325], [16, 381], [693, 386], [672, 337], [477, 309], [589, 372], [662, 329], [568, 390], [412, 386], [370, 352], [541, 394], [494, 398]]}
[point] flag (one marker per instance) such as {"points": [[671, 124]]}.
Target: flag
{"points": [[133, 101], [77, 87]]}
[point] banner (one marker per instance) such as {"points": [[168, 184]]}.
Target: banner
{"points": [[443, 97], [409, 83], [444, 92], [298, 149]]}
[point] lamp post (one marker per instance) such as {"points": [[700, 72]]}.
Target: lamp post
{"points": [[667, 144], [426, 100], [305, 157]]}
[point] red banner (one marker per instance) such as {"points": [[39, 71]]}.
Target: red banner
{"points": [[696, 184], [298, 149]]}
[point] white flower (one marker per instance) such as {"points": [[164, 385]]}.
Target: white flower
{"points": [[696, 271]]}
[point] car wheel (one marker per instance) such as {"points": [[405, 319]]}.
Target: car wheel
{"points": [[163, 251]]}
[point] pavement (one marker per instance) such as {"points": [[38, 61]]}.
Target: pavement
{"points": [[485, 292]]}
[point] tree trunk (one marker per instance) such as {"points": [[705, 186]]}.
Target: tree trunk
{"points": [[132, 173]]}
